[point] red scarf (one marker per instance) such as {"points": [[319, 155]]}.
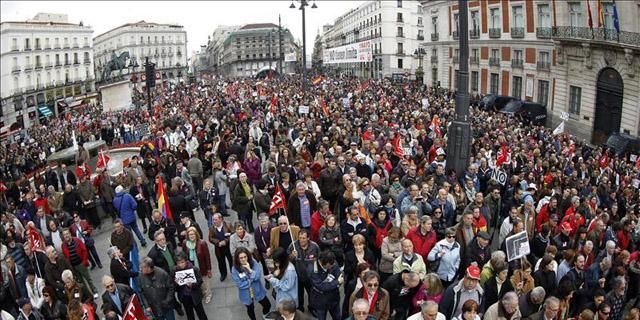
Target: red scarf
{"points": [[372, 305]]}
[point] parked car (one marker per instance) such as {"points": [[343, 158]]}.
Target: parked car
{"points": [[495, 102], [528, 112], [623, 145]]}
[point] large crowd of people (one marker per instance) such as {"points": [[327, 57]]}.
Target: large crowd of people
{"points": [[334, 201]]}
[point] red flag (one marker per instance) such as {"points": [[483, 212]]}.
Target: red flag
{"points": [[397, 148], [274, 104], [134, 310], [278, 201], [364, 85], [604, 160], [435, 126], [3, 187], [317, 80], [324, 108], [36, 241], [103, 160], [163, 201], [503, 155], [572, 150]]}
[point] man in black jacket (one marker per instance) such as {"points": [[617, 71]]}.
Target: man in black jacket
{"points": [[162, 253], [158, 222], [326, 279], [116, 296], [329, 183], [301, 206], [401, 287], [158, 289]]}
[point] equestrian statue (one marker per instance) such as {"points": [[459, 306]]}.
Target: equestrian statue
{"points": [[117, 63]]}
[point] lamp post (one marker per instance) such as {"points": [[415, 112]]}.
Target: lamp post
{"points": [[419, 53], [459, 142], [303, 4]]}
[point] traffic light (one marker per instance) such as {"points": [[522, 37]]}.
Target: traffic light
{"points": [[150, 74]]}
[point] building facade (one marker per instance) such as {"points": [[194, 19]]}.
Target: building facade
{"points": [[164, 44], [47, 67], [251, 49], [215, 47], [396, 28], [545, 51]]}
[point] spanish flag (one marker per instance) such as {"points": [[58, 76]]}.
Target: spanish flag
{"points": [[317, 80], [163, 201], [600, 15]]}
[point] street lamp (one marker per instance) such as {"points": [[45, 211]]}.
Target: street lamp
{"points": [[304, 3], [419, 53]]}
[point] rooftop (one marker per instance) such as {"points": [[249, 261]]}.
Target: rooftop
{"points": [[258, 26]]}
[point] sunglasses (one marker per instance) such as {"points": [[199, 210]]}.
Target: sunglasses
{"points": [[450, 237], [282, 224], [373, 285]]}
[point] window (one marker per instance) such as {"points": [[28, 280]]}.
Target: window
{"points": [[495, 18], [400, 33], [544, 17], [544, 57], [420, 10], [475, 22], [419, 21], [575, 14], [434, 76], [57, 59], [518, 19], [399, 17], [517, 87], [456, 24], [399, 3], [474, 80], [38, 43], [474, 53], [420, 34], [15, 62], [434, 52], [400, 47], [434, 25], [141, 40], [575, 94], [27, 45], [495, 54], [543, 92], [495, 83], [399, 63], [607, 13], [517, 55]]}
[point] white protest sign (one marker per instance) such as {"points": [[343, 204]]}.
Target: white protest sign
{"points": [[517, 246], [303, 109], [184, 277]]}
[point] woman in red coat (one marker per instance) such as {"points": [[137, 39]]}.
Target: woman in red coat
{"points": [[197, 251]]}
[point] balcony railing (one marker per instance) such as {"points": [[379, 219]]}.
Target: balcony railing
{"points": [[434, 37], [37, 47], [179, 54], [28, 67], [494, 62], [48, 66], [15, 69], [516, 63], [47, 47], [57, 46], [598, 34], [543, 32], [30, 88], [75, 45], [400, 20], [14, 48], [400, 52], [474, 34], [420, 37], [543, 65], [495, 33], [27, 48], [66, 46], [87, 61], [67, 63], [474, 60], [164, 55], [86, 45], [517, 32], [400, 35], [434, 59], [455, 35], [39, 66], [58, 64], [456, 59]]}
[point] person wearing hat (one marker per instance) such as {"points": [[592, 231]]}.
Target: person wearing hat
{"points": [[186, 221], [478, 251], [458, 293], [27, 312]]}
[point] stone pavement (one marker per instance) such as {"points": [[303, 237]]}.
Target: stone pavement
{"points": [[225, 303]]}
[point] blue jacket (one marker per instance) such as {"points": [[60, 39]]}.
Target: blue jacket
{"points": [[325, 289], [287, 287], [126, 206], [245, 280]]}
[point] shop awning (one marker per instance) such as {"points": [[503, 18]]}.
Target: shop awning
{"points": [[45, 111]]}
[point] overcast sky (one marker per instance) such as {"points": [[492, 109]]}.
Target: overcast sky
{"points": [[199, 18]]}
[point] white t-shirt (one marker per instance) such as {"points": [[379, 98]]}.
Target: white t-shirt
{"points": [[418, 316]]}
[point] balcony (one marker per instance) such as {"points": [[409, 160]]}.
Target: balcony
{"points": [[599, 34], [67, 63], [14, 48], [401, 20], [421, 38], [39, 66], [434, 59], [474, 60], [48, 66], [164, 55], [456, 59], [57, 46], [543, 66], [37, 47], [170, 54], [28, 67], [434, 37], [58, 64], [15, 69], [29, 88], [87, 61], [517, 32], [86, 45], [494, 62], [474, 34], [66, 46], [17, 92], [516, 63], [75, 45], [179, 54], [543, 32], [400, 35], [456, 35], [27, 48], [400, 52], [47, 47], [494, 33], [156, 55]]}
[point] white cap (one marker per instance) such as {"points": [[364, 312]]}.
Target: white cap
{"points": [[119, 189]]}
